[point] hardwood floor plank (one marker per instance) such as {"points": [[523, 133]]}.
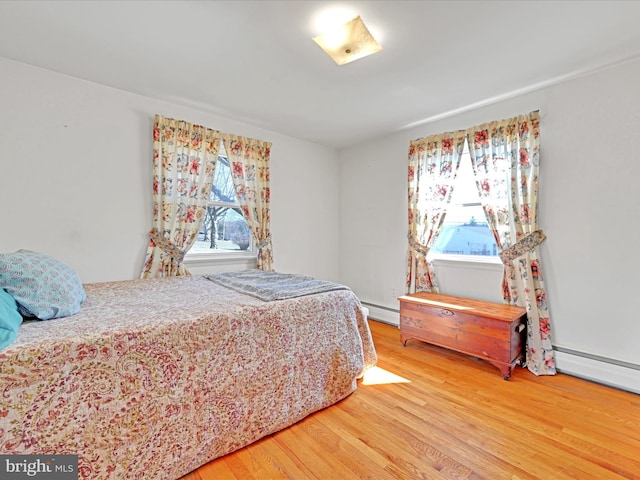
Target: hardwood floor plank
{"points": [[278, 459], [443, 437], [452, 417], [221, 471], [377, 430]]}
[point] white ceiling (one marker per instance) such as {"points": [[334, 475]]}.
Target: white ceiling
{"points": [[255, 61]]}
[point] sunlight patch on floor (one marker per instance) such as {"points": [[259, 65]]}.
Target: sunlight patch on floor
{"points": [[380, 376]]}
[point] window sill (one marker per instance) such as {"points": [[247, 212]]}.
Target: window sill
{"points": [[466, 261], [464, 258], [217, 258], [201, 264]]}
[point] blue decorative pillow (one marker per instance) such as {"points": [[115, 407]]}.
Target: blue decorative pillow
{"points": [[42, 286], [10, 319]]}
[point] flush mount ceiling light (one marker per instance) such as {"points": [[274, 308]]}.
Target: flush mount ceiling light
{"points": [[348, 42]]}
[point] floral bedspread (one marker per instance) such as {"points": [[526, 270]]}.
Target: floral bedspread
{"points": [[156, 377]]}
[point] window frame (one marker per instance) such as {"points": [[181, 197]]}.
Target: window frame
{"points": [[456, 257], [227, 256]]}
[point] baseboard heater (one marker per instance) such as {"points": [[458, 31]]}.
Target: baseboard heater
{"points": [[597, 358], [596, 368], [607, 371], [383, 314]]}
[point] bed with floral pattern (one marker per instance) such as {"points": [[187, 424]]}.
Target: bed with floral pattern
{"points": [[154, 378]]}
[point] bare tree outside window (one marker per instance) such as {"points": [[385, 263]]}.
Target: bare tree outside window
{"points": [[224, 228]]}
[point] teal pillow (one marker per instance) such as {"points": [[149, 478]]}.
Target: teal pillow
{"points": [[10, 319], [42, 286]]}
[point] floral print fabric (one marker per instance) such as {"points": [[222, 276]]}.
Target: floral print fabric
{"points": [[155, 377], [433, 163], [506, 160], [184, 162], [505, 156], [524, 245], [249, 159]]}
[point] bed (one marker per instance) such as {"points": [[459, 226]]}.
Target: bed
{"points": [[154, 378]]}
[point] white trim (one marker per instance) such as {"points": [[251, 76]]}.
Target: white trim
{"points": [[383, 314], [216, 263], [611, 374], [465, 261], [218, 258]]}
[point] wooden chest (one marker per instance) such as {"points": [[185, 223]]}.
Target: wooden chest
{"points": [[490, 331]]}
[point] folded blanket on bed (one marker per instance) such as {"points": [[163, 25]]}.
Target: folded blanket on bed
{"points": [[269, 286]]}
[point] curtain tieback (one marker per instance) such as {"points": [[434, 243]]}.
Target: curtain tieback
{"points": [[417, 246], [524, 245], [167, 247], [264, 243]]}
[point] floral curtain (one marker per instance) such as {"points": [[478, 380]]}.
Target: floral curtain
{"points": [[506, 158], [433, 163], [249, 162], [184, 161]]}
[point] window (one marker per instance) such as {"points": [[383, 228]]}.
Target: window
{"points": [[224, 229], [465, 230]]}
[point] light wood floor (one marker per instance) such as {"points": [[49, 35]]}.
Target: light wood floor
{"points": [[453, 418]]}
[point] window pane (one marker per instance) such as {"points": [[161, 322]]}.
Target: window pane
{"points": [[465, 230], [222, 189], [465, 190], [233, 231], [224, 229]]}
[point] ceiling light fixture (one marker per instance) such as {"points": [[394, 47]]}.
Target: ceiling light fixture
{"points": [[348, 42]]}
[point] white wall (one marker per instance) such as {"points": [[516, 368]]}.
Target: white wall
{"points": [[589, 209], [64, 143], [76, 168]]}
